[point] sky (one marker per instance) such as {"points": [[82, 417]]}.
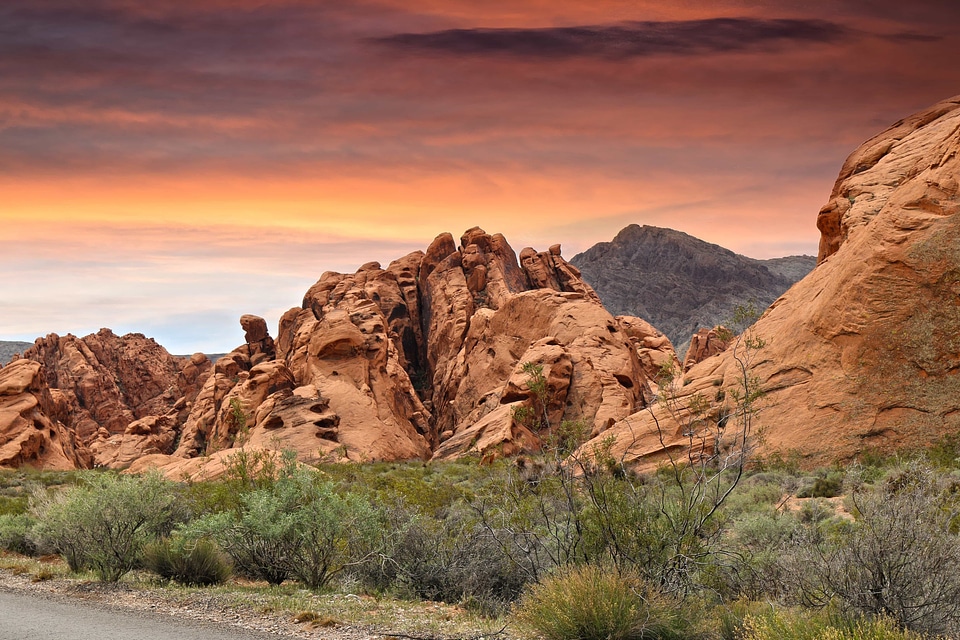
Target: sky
{"points": [[168, 166]]}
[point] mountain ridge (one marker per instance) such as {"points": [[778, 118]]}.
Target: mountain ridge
{"points": [[680, 283]]}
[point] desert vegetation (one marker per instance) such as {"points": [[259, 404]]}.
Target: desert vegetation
{"points": [[568, 544], [560, 546]]}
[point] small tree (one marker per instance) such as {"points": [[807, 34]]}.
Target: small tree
{"points": [[536, 415], [705, 472]]}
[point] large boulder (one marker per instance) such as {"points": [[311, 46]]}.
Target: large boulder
{"points": [[863, 353]]}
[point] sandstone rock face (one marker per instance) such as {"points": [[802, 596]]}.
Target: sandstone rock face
{"points": [[654, 349], [108, 381], [706, 343], [30, 432], [681, 283], [435, 356], [422, 359], [863, 353], [153, 434]]}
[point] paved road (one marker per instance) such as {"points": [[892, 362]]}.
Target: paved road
{"points": [[27, 617]]}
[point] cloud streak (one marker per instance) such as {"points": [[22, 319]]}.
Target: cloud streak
{"points": [[625, 40]]}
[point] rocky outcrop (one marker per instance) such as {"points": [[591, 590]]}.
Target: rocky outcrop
{"points": [[706, 343], [30, 430], [655, 351], [680, 283], [862, 354], [430, 357], [153, 434], [108, 381], [422, 359]]}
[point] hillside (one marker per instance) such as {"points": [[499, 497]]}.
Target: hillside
{"points": [[680, 283], [10, 347]]}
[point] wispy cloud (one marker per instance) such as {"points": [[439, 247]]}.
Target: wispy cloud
{"points": [[624, 40]]}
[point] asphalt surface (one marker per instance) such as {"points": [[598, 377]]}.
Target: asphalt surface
{"points": [[29, 617]]}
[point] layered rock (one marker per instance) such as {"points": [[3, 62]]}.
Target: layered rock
{"points": [[863, 354], [30, 429]]}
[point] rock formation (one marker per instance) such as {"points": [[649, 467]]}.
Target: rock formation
{"points": [[680, 283], [864, 353], [706, 343], [155, 433], [655, 351], [108, 381], [30, 429], [422, 359]]}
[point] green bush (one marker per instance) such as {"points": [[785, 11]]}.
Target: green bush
{"points": [[188, 561], [594, 603], [829, 485], [15, 534], [751, 566], [299, 527], [13, 505], [245, 471], [105, 523]]}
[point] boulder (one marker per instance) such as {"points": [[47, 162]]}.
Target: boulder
{"points": [[654, 350], [706, 343]]}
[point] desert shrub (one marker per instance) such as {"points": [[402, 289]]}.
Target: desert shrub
{"points": [[733, 615], [454, 559], [826, 485], [259, 545], [245, 471], [188, 561], [945, 452], [105, 523], [335, 531], [595, 603], [899, 559], [13, 505], [300, 526], [757, 493], [750, 562], [15, 534], [820, 625]]}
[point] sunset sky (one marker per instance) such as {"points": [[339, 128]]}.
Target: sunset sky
{"points": [[167, 166]]}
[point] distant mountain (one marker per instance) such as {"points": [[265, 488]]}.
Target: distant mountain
{"points": [[680, 283], [9, 347]]}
